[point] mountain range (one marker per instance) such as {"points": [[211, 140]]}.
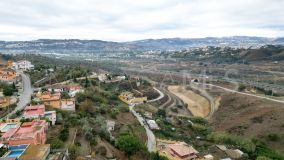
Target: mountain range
{"points": [[99, 46]]}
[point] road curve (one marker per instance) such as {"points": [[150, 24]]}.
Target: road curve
{"points": [[158, 98], [25, 96]]}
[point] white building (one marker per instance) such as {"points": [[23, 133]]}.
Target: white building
{"points": [[51, 115], [152, 124], [102, 77], [23, 64]]}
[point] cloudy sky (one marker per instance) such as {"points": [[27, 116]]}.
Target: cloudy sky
{"points": [[125, 20]]}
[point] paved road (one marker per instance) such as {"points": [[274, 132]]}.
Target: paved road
{"points": [[25, 96], [151, 142]]}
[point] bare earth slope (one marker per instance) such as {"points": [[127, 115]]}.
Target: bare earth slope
{"points": [[250, 117]]}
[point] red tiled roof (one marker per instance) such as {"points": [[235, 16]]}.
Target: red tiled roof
{"points": [[34, 110]]}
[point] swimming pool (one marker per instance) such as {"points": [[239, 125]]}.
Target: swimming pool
{"points": [[18, 147], [15, 153]]}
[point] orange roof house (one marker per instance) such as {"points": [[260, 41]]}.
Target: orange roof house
{"points": [[55, 101], [177, 151], [50, 99], [7, 74], [28, 133]]}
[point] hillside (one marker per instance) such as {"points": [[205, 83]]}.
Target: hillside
{"points": [[269, 52], [99, 46]]}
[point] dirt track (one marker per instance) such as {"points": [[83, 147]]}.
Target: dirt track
{"points": [[198, 105]]}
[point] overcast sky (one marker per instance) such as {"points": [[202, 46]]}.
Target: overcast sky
{"points": [[125, 20]]}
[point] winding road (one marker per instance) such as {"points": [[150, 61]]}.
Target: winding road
{"points": [[25, 96], [151, 142]]}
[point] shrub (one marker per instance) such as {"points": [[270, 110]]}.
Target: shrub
{"points": [[220, 137], [124, 109], [199, 120], [263, 151], [273, 137], [241, 87]]}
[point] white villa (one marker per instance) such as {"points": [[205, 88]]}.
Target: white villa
{"points": [[23, 64]]}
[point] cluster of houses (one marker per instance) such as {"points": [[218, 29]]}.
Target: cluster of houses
{"points": [[8, 73], [53, 96], [27, 140]]}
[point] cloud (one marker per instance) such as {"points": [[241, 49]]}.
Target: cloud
{"points": [[125, 20]]}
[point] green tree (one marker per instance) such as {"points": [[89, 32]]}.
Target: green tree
{"points": [[64, 134], [64, 95], [129, 144], [8, 91], [161, 113], [56, 143]]}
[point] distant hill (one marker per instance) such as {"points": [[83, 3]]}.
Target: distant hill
{"points": [[232, 55], [269, 52], [98, 46]]}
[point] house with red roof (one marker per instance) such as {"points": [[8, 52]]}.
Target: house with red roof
{"points": [[38, 111], [28, 133], [176, 150]]}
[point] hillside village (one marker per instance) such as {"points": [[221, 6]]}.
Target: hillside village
{"points": [[97, 115]]}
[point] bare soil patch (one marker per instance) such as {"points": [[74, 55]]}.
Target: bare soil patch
{"points": [[197, 105]]}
